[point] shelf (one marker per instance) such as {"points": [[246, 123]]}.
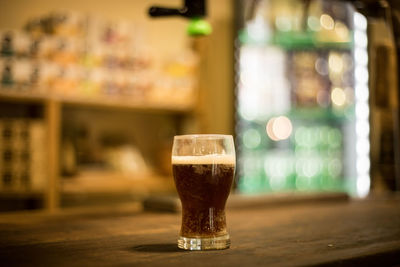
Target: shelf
{"points": [[120, 103], [325, 114], [295, 41], [97, 102], [310, 114], [8, 95], [89, 187], [21, 194], [102, 182]]}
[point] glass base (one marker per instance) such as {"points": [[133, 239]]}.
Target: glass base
{"points": [[193, 243]]}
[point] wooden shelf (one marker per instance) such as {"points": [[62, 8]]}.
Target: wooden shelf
{"points": [[97, 182], [21, 194], [8, 95], [121, 103], [96, 101], [91, 187]]}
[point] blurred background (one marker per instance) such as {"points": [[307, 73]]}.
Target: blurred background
{"points": [[92, 93]]}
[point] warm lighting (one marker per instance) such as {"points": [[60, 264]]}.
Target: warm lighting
{"points": [[279, 128], [269, 129], [313, 23], [335, 62], [282, 127], [338, 96], [341, 31], [349, 92], [327, 21], [283, 23]]}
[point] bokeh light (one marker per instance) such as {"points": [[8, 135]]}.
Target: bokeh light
{"points": [[269, 130], [338, 96], [251, 138], [282, 127], [361, 56], [283, 23], [361, 39], [363, 185], [360, 22], [361, 74], [362, 111], [342, 31], [335, 63], [321, 66], [313, 23], [327, 21], [362, 129], [279, 128]]}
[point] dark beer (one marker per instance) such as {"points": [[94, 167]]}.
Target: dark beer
{"points": [[203, 184]]}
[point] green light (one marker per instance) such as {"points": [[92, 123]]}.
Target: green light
{"points": [[324, 135], [335, 138], [251, 184], [251, 138], [198, 27], [303, 182], [299, 136], [334, 167]]}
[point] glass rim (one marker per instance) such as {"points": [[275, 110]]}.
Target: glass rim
{"points": [[204, 136]]}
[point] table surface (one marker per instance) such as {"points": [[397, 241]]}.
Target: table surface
{"points": [[345, 233]]}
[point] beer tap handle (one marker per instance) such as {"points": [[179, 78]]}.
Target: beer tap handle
{"points": [[194, 10], [156, 11], [190, 9]]}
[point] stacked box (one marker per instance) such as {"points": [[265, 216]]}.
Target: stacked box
{"points": [[22, 155]]}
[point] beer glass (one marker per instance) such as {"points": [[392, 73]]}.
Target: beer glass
{"points": [[203, 168]]}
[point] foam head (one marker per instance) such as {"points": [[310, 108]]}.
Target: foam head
{"points": [[205, 159]]}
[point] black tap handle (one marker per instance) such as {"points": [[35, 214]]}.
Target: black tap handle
{"points": [[191, 9], [155, 11]]}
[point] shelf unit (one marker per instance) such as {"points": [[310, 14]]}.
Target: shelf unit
{"points": [[56, 186], [96, 101], [111, 182]]}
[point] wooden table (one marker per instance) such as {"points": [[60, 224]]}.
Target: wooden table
{"points": [[345, 233]]}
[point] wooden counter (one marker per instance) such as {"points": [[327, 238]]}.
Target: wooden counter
{"points": [[344, 233]]}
